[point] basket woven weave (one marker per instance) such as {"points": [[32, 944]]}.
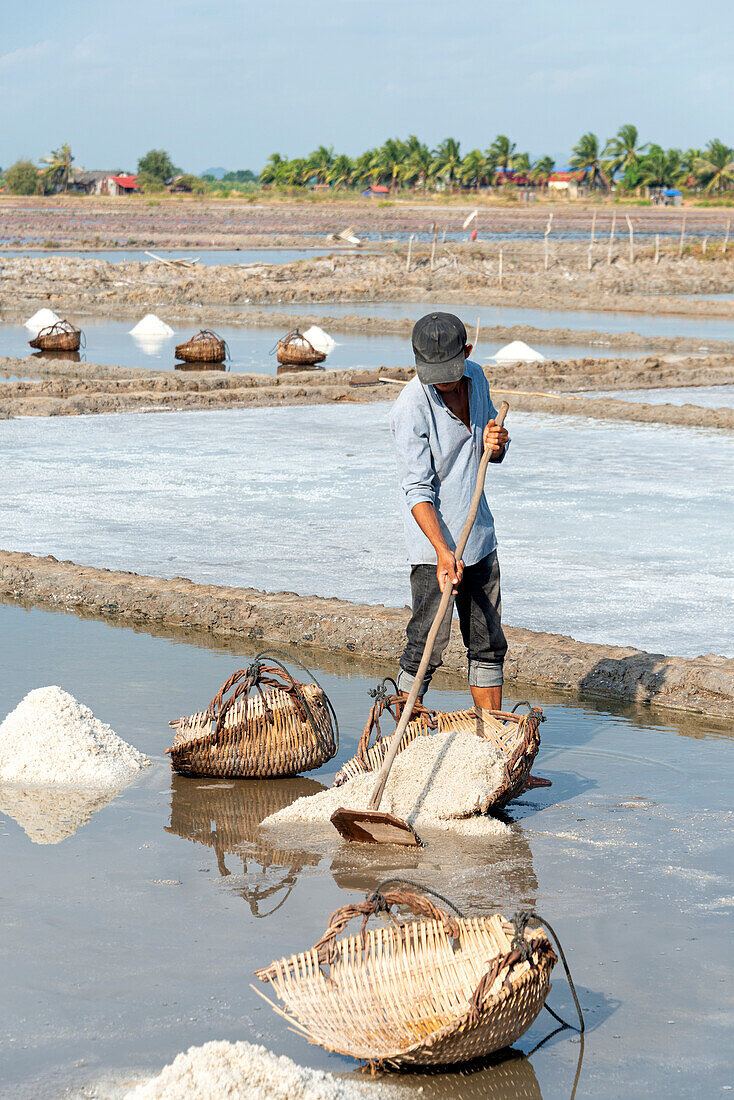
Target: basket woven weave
{"points": [[516, 736], [437, 990], [61, 336], [295, 350], [285, 729], [205, 347]]}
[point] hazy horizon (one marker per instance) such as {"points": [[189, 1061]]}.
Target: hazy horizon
{"points": [[226, 82]]}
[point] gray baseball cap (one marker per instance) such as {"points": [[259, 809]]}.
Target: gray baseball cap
{"points": [[439, 340]]}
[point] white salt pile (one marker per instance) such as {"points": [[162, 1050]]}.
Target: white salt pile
{"points": [[242, 1071], [320, 340], [40, 319], [150, 325], [52, 738], [438, 781], [50, 814], [518, 352]]}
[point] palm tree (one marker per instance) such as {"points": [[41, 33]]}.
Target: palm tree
{"points": [[521, 163], [661, 167], [273, 170], [388, 160], [416, 168], [501, 152], [58, 172], [475, 169], [715, 166], [320, 161], [542, 169], [586, 157], [340, 172], [296, 172], [622, 153], [447, 160]]}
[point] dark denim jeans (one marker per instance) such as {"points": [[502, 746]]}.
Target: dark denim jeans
{"points": [[479, 604]]}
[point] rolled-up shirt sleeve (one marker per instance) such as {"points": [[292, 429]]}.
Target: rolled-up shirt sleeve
{"points": [[413, 450]]}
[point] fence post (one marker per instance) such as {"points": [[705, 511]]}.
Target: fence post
{"points": [[433, 246], [547, 234], [682, 237], [500, 267], [611, 237], [632, 239], [657, 248], [726, 238], [410, 252]]}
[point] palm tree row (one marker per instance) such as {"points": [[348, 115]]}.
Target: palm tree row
{"points": [[622, 161]]}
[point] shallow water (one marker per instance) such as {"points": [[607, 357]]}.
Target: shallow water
{"points": [[578, 320], [708, 397], [137, 935], [251, 349], [206, 257], [608, 531]]}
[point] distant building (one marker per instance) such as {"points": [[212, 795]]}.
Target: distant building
{"points": [[109, 182], [376, 190], [122, 185], [567, 182], [665, 196]]}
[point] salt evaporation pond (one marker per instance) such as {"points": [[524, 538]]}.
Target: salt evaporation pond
{"points": [[206, 257], [137, 935], [708, 397], [251, 348], [609, 532], [577, 320]]}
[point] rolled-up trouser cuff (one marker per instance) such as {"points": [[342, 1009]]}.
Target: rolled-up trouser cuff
{"points": [[486, 674], [406, 680]]}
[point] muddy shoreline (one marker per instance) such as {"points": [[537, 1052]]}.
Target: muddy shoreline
{"points": [[68, 389], [702, 684]]}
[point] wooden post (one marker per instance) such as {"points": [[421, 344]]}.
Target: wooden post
{"points": [[657, 248], [476, 340], [726, 238], [500, 267], [593, 226], [704, 242], [443, 237], [611, 237], [433, 246], [682, 237], [547, 234], [410, 252], [632, 239]]}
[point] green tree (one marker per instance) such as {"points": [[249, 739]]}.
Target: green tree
{"points": [[660, 167], [623, 153], [586, 156], [57, 173], [341, 172], [715, 166], [475, 170], [320, 161], [542, 170], [388, 160], [156, 166], [447, 161], [521, 163], [501, 152], [23, 178], [415, 170], [273, 171], [242, 175]]}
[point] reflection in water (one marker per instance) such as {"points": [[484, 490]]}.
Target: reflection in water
{"points": [[201, 366], [50, 814], [69, 356], [479, 876], [226, 816], [287, 368], [508, 1075]]}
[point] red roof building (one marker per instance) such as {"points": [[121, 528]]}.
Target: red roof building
{"points": [[122, 185], [376, 189]]}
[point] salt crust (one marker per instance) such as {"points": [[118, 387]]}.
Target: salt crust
{"points": [[438, 781], [242, 1071], [52, 738], [151, 325]]}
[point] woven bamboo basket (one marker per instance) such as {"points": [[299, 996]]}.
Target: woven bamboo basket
{"points": [[516, 736], [61, 336], [227, 820], [296, 351], [436, 990], [285, 729], [205, 347]]}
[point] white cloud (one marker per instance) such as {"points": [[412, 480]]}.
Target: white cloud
{"points": [[25, 55]]}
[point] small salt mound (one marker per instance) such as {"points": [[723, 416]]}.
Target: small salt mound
{"points": [[320, 340], [52, 738], [433, 782], [150, 325], [50, 814], [242, 1071], [41, 319], [518, 352]]}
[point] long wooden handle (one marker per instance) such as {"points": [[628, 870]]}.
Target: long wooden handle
{"points": [[447, 602]]}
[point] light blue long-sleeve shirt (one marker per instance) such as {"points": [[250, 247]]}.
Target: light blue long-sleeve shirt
{"points": [[438, 461]]}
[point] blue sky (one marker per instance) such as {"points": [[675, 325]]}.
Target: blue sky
{"points": [[226, 82]]}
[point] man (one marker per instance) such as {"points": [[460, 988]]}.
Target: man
{"points": [[441, 424]]}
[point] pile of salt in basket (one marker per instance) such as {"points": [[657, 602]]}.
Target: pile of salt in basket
{"points": [[516, 736], [286, 728], [435, 990]]}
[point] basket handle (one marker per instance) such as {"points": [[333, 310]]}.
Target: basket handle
{"points": [[393, 704]]}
